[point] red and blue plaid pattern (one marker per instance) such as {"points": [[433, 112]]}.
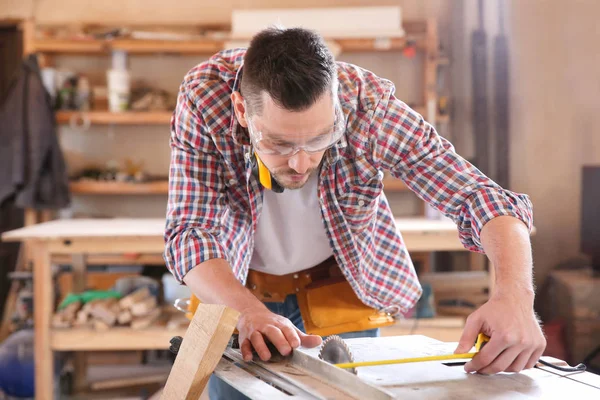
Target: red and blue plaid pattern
{"points": [[215, 202]]}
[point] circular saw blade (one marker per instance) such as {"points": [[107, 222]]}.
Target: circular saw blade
{"points": [[335, 351]]}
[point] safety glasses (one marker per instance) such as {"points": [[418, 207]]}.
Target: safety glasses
{"points": [[280, 146]]}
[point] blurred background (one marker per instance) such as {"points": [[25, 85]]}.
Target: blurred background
{"points": [[514, 85]]}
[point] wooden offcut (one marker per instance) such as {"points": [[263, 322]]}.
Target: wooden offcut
{"points": [[143, 307], [137, 296], [146, 320], [203, 345]]}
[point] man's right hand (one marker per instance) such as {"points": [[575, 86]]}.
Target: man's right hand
{"points": [[258, 323], [213, 282]]}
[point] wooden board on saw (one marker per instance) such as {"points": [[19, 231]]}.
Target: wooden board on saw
{"points": [[435, 380]]}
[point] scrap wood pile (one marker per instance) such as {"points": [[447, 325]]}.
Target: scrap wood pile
{"points": [[103, 310]]}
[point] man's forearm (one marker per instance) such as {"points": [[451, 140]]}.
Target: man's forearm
{"points": [[506, 242], [213, 282]]}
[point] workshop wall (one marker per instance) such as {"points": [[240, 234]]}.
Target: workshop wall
{"points": [[555, 86], [554, 89]]}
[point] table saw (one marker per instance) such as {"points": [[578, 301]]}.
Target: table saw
{"points": [[303, 375]]}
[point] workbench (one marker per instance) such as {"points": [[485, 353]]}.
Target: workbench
{"points": [[83, 240]]}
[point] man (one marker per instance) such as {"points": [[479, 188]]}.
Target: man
{"points": [[277, 160]]}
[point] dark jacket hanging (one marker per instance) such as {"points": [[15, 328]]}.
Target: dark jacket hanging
{"points": [[32, 167]]}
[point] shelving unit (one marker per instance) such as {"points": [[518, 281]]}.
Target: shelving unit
{"points": [[422, 35]]}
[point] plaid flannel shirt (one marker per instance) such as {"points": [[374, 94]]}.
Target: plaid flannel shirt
{"points": [[215, 202]]}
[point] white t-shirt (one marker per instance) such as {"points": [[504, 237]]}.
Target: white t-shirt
{"points": [[290, 235]]}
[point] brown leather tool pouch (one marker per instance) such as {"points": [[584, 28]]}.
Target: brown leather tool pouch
{"points": [[331, 307], [327, 303]]}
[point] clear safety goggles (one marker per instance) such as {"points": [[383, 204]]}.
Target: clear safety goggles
{"points": [[280, 146]]}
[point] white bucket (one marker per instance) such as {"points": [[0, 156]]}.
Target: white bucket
{"points": [[118, 89]]}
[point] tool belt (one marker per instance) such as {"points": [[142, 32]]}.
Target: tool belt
{"points": [[327, 303]]}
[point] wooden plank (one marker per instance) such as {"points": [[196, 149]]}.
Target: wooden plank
{"points": [[145, 321], [116, 338], [134, 297], [90, 227], [43, 307], [329, 22], [79, 118], [202, 347], [143, 307], [111, 188], [129, 381]]}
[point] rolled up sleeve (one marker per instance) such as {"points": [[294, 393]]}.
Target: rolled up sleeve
{"points": [[410, 149], [196, 193]]}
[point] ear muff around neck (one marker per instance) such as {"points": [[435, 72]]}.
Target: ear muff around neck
{"points": [[261, 172]]}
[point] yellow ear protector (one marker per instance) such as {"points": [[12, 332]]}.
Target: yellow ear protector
{"points": [[261, 172]]}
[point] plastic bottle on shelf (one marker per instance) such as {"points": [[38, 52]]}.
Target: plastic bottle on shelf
{"points": [[119, 83]]}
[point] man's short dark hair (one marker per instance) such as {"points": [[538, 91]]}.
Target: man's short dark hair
{"points": [[294, 66]]}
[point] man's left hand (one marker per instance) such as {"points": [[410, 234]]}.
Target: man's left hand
{"points": [[516, 338]]}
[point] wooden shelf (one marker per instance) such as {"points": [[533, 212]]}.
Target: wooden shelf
{"points": [[66, 46], [193, 47], [116, 188], [120, 338], [206, 46], [134, 46], [107, 117]]}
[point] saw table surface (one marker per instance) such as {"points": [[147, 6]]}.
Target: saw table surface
{"points": [[427, 380]]}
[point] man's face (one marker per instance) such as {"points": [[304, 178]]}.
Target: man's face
{"points": [[280, 128]]}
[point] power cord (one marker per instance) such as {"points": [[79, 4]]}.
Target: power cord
{"points": [[578, 368]]}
